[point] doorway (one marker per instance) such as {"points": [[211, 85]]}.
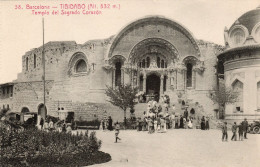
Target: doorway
{"points": [[41, 111], [153, 86]]}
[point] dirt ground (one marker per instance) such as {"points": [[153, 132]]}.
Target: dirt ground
{"points": [[179, 148]]}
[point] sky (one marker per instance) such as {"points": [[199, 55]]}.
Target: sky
{"points": [[21, 31]]}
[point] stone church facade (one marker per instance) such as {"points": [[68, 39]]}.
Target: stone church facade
{"points": [[155, 54]]}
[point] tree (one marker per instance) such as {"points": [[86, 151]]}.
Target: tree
{"points": [[123, 97], [3, 112], [223, 95]]}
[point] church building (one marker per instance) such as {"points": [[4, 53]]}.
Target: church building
{"points": [[156, 54]]}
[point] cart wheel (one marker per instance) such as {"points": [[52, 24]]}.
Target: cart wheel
{"points": [[256, 130]]}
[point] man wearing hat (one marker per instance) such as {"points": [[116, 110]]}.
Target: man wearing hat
{"points": [[234, 130], [245, 126]]}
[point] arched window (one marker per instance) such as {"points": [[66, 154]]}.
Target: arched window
{"points": [[81, 66], [258, 96], [237, 36], [143, 63], [162, 64], [158, 62], [189, 75], [147, 62], [26, 63], [34, 61], [118, 74], [238, 88]]}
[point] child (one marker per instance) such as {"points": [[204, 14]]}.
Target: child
{"points": [[224, 131], [117, 128], [155, 124]]}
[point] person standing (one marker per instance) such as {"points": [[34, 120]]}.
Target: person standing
{"points": [[46, 126], [240, 131], [202, 126], [245, 126], [155, 124], [207, 123], [190, 124], [137, 124], [150, 125], [117, 128], [103, 124], [41, 123], [110, 123], [63, 127], [51, 125], [234, 131], [181, 122], [224, 132], [172, 120], [177, 122], [186, 114]]}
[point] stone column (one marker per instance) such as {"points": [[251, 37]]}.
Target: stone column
{"points": [[161, 85], [184, 79], [132, 77], [169, 80], [144, 82], [138, 80], [194, 79], [122, 75], [176, 79], [113, 78]]}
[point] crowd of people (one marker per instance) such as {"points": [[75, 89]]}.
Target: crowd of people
{"points": [[48, 126], [106, 124], [241, 129], [159, 118]]}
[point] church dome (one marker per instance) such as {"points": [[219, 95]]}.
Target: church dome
{"points": [[249, 19], [245, 30]]}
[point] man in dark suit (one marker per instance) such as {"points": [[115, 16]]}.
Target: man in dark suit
{"points": [[245, 126], [234, 130]]}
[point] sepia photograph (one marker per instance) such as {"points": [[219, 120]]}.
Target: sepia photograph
{"points": [[130, 83]]}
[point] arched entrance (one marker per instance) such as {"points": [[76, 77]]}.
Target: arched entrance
{"points": [[41, 111], [24, 110], [153, 86]]}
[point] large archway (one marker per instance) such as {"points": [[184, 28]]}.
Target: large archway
{"points": [[41, 111], [153, 86]]}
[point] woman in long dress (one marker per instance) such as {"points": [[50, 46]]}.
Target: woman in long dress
{"points": [[110, 124], [202, 123], [181, 122]]}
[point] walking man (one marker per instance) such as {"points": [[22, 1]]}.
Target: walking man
{"points": [[224, 132], [234, 130], [240, 131]]}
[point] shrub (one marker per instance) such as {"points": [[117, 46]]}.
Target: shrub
{"points": [[88, 123], [28, 145]]}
